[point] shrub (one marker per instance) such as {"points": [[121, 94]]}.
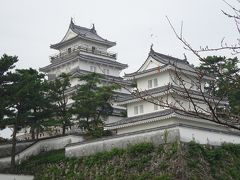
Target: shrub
{"points": [[143, 148]]}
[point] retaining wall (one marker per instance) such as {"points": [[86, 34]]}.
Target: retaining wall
{"points": [[5, 149], [41, 146], [158, 136]]}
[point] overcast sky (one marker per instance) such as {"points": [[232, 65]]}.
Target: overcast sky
{"points": [[29, 27]]}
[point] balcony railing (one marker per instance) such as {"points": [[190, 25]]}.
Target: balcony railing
{"points": [[78, 49]]}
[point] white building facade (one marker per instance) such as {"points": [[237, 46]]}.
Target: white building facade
{"points": [[160, 100], [83, 51]]}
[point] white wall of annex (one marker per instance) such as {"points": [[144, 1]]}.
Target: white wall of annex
{"points": [[145, 126], [189, 81], [163, 79], [148, 107]]}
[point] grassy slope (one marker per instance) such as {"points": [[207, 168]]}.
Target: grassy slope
{"points": [[142, 161]]}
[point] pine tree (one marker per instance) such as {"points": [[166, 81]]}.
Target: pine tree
{"points": [[92, 103]]}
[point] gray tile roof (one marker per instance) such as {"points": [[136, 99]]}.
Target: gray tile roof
{"points": [[103, 61], [157, 114], [160, 90], [84, 58], [105, 77], [165, 60], [141, 117], [86, 33]]}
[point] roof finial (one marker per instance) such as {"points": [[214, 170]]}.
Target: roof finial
{"points": [[185, 57], [151, 48], [93, 30], [71, 22]]}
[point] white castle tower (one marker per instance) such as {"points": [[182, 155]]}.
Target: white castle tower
{"points": [[82, 51]]}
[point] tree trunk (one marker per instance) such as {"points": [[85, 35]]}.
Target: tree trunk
{"points": [[63, 129], [37, 132], [13, 147], [33, 133]]}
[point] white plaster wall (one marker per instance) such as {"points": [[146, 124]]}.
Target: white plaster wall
{"points": [[99, 68], [145, 126], [149, 64], [66, 68], [15, 177], [187, 105], [207, 137], [148, 107], [189, 80], [163, 79]]}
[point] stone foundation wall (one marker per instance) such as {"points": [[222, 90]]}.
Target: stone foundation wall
{"points": [[158, 136], [5, 149], [41, 146]]}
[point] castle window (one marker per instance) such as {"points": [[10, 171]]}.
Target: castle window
{"points": [[155, 107], [152, 83], [93, 49], [149, 84], [138, 109], [155, 80], [135, 110], [93, 69], [141, 109], [106, 71], [69, 50]]}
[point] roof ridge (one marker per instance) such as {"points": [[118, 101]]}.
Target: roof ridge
{"points": [[167, 56]]}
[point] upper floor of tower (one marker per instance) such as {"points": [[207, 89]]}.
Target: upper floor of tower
{"points": [[78, 38]]}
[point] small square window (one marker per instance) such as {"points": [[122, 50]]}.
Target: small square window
{"points": [[141, 109], [155, 107], [106, 71], [135, 110], [155, 80], [149, 84], [93, 68]]}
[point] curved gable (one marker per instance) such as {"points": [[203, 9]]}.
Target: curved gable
{"points": [[69, 35]]}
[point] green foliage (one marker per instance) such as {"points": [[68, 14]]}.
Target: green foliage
{"points": [[57, 94], [227, 84], [44, 158], [92, 103], [139, 149], [142, 161], [6, 78], [102, 157], [194, 149]]}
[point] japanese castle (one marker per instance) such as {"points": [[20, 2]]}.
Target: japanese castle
{"points": [[83, 51], [159, 99]]}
